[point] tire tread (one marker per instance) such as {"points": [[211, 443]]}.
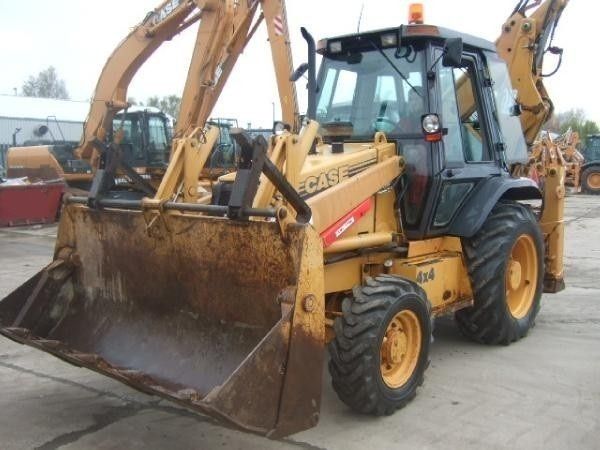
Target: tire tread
{"points": [[487, 321], [354, 361]]}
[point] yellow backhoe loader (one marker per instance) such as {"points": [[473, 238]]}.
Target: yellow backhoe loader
{"points": [[392, 205]]}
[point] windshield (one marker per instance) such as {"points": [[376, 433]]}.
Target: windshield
{"points": [[378, 93], [132, 142], [140, 146], [158, 140], [381, 91]]}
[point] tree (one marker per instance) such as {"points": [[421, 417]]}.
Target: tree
{"points": [[169, 104], [577, 121], [45, 85]]}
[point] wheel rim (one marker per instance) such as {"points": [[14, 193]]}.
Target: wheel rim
{"points": [[593, 181], [400, 349], [521, 276]]}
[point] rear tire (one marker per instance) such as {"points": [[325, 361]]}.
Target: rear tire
{"points": [[380, 351], [506, 267], [590, 180]]}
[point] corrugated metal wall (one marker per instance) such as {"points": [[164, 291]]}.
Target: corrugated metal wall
{"points": [[71, 130]]}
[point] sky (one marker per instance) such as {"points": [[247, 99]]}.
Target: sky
{"points": [[78, 36]]}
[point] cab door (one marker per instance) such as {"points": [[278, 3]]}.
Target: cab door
{"points": [[466, 153]]}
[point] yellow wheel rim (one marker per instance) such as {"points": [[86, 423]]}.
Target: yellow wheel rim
{"points": [[400, 349], [521, 276], [593, 181]]}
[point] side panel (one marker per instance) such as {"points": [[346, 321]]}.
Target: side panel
{"points": [[444, 278]]}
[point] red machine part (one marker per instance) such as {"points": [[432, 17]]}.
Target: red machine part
{"points": [[331, 234]]}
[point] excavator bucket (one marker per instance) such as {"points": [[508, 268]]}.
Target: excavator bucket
{"points": [[222, 316]]}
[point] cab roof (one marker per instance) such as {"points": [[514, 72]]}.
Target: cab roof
{"points": [[407, 33]]}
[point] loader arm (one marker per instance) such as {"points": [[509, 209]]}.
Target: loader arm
{"points": [[229, 31]]}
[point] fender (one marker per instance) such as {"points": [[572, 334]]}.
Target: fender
{"points": [[591, 164], [473, 213]]}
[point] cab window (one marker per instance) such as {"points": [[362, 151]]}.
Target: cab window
{"points": [[469, 113]]}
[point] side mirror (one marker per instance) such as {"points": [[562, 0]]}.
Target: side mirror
{"points": [[453, 48]]}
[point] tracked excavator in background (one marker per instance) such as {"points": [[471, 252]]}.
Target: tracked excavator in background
{"points": [[354, 231], [145, 135], [144, 146]]}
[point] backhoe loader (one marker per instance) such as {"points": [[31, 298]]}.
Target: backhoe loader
{"points": [[355, 232]]}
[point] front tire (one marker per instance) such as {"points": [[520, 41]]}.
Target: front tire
{"points": [[506, 267], [380, 351]]}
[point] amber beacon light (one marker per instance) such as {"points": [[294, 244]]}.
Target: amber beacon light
{"points": [[415, 13]]}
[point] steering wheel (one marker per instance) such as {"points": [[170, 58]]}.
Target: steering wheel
{"points": [[383, 120]]}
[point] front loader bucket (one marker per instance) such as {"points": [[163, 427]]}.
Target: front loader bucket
{"points": [[222, 316]]}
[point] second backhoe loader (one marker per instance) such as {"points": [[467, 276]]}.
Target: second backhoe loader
{"points": [[394, 204]]}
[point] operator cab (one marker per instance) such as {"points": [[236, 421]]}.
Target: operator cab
{"points": [[456, 124], [146, 139], [224, 155]]}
